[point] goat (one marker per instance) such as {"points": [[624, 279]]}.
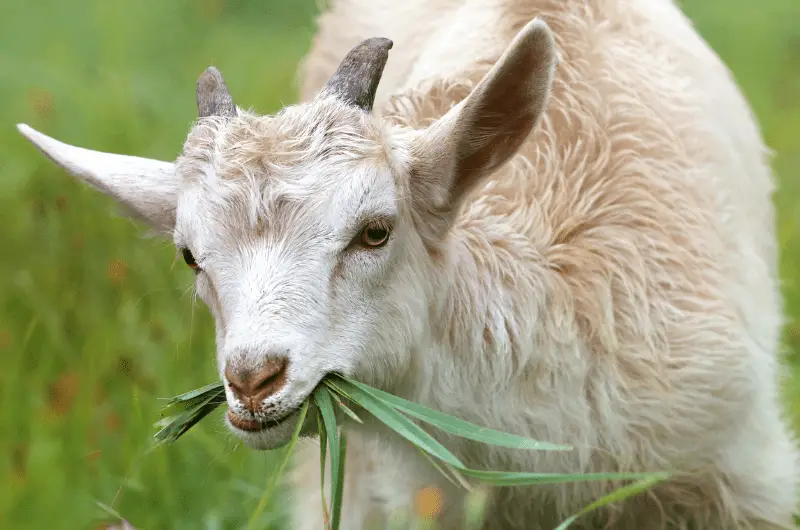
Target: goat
{"points": [[552, 217]]}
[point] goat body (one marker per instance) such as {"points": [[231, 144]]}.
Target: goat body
{"points": [[614, 286], [551, 217]]}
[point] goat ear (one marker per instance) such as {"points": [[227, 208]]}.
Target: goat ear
{"points": [[487, 128], [148, 188]]}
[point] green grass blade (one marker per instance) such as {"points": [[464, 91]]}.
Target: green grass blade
{"points": [[195, 404], [448, 472], [190, 407], [216, 389], [375, 403], [274, 479], [617, 495], [347, 410], [109, 510], [323, 446], [439, 467], [186, 410], [336, 514], [322, 398], [398, 423], [455, 425], [176, 425], [503, 478]]}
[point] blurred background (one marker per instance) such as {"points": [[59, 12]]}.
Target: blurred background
{"points": [[96, 321]]}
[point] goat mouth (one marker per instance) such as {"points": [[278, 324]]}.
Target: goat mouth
{"points": [[252, 425]]}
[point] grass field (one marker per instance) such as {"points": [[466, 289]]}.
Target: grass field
{"points": [[96, 321]]}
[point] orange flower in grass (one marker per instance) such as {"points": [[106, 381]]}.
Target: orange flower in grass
{"points": [[112, 421], [62, 393], [428, 502], [117, 271]]}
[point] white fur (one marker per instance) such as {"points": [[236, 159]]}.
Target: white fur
{"points": [[595, 267]]}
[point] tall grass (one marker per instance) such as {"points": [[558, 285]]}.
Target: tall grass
{"points": [[95, 322]]}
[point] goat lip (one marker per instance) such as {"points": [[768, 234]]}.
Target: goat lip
{"points": [[251, 425], [244, 424]]}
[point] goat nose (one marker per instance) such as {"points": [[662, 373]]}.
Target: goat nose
{"points": [[252, 387]]}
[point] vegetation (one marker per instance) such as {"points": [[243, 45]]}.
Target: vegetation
{"points": [[339, 393], [96, 324]]}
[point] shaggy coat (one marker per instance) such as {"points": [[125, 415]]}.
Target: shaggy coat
{"points": [[613, 286], [553, 218]]}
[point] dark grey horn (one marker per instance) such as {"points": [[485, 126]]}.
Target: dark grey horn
{"points": [[213, 98], [356, 80]]}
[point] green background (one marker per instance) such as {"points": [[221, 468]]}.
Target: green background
{"points": [[96, 319]]}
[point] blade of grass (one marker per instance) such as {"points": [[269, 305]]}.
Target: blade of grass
{"points": [[347, 410], [194, 403], [177, 425], [323, 446], [109, 510], [216, 388], [452, 424], [448, 472], [401, 425], [439, 467], [391, 411], [184, 411], [503, 478], [337, 506], [274, 480], [322, 398], [358, 391], [619, 494]]}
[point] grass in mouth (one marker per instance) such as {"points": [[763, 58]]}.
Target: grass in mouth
{"points": [[353, 398]]}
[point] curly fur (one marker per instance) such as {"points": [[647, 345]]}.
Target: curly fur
{"points": [[614, 286], [583, 254]]}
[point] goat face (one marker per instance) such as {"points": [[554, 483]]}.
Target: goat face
{"points": [[304, 253], [311, 232]]}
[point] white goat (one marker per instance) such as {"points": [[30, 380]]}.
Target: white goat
{"points": [[582, 253]]}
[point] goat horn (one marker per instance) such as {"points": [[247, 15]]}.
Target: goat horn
{"points": [[356, 80], [147, 187], [213, 98]]}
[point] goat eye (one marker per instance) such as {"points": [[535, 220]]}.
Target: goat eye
{"points": [[374, 236], [189, 259]]}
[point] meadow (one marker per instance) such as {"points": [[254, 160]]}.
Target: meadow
{"points": [[97, 321]]}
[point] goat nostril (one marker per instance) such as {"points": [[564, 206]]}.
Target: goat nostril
{"points": [[266, 381], [234, 380], [255, 386], [272, 369], [269, 378]]}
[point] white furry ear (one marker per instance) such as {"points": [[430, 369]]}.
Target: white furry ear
{"points": [[487, 128], [148, 188]]}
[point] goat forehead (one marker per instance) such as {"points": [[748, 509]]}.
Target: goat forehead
{"points": [[317, 200], [320, 165], [297, 134]]}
